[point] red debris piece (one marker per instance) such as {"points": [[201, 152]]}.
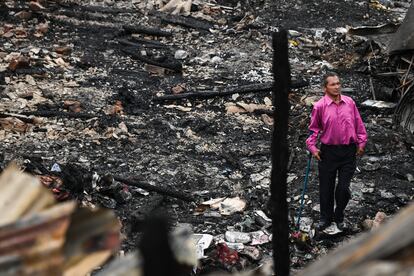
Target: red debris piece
{"points": [[54, 184], [226, 255], [20, 62]]}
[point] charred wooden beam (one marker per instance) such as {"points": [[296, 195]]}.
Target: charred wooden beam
{"points": [[243, 89], [280, 154], [160, 190], [186, 21], [173, 65], [59, 114], [135, 29]]}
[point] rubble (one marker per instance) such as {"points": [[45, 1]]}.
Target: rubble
{"points": [[173, 110]]}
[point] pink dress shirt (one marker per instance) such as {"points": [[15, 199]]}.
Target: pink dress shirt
{"points": [[337, 124]]}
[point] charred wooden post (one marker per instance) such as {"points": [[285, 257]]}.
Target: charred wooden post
{"points": [[280, 154]]}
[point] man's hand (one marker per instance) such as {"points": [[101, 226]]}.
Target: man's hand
{"points": [[317, 155], [360, 151]]}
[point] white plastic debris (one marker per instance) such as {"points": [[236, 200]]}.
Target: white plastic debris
{"points": [[216, 60], [214, 203], [183, 245], [341, 30], [180, 54], [261, 214], [232, 205], [203, 241], [260, 237], [235, 245], [237, 237], [378, 104], [95, 179]]}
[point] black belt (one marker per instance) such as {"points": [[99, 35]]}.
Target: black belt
{"points": [[339, 146]]}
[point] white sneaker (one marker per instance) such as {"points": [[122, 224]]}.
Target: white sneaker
{"points": [[332, 229]]}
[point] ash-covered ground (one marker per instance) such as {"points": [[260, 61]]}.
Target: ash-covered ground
{"points": [[79, 60]]}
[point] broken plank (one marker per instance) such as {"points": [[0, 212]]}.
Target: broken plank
{"points": [[186, 21], [160, 190], [136, 29], [174, 66], [243, 89]]}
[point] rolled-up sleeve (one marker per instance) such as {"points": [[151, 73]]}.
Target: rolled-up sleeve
{"points": [[361, 132], [314, 128]]}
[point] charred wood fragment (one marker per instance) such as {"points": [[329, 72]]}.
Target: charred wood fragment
{"points": [[129, 29], [20, 117], [173, 65], [186, 21], [243, 89], [140, 44], [34, 71], [81, 15], [110, 10], [157, 189], [280, 154]]}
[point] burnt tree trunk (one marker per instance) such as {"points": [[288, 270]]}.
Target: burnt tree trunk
{"points": [[280, 154]]}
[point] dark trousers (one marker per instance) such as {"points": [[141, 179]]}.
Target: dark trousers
{"points": [[335, 161]]}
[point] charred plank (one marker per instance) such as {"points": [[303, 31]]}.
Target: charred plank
{"points": [[135, 29], [186, 21], [60, 114], [157, 189]]}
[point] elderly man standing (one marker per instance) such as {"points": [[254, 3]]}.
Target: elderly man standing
{"points": [[336, 121]]}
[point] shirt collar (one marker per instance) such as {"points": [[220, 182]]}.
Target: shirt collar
{"points": [[328, 99]]}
